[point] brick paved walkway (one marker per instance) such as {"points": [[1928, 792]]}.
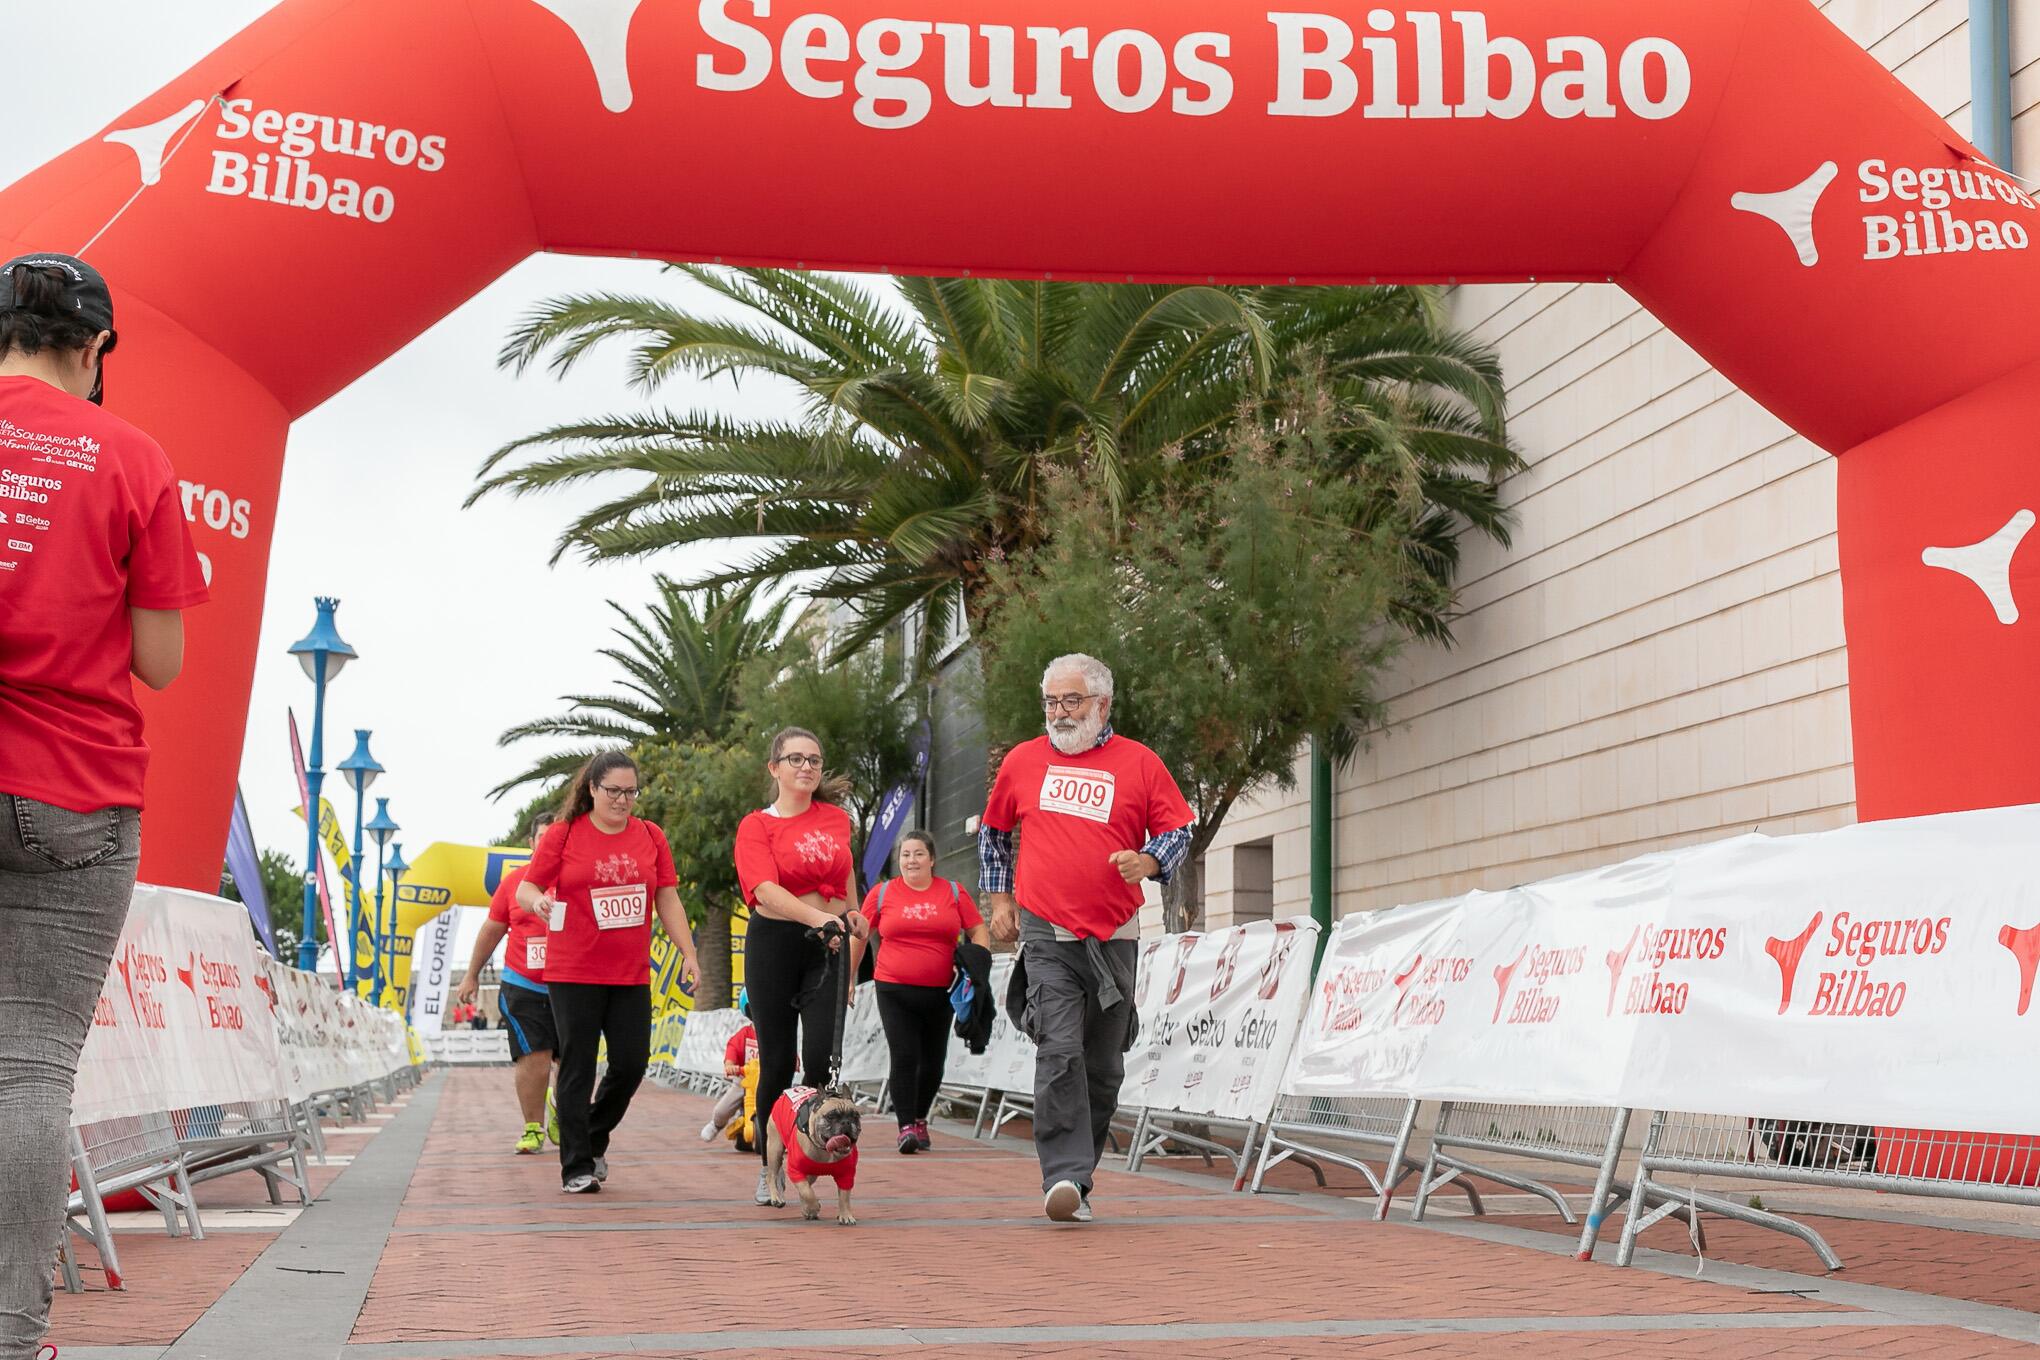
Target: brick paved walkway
{"points": [[433, 1243]]}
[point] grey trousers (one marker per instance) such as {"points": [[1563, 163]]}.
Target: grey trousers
{"points": [[65, 882], [1082, 1056]]}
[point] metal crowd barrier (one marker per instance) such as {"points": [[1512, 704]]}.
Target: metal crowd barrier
{"points": [[139, 1153], [1994, 1168], [261, 1136], [1313, 1130], [1155, 1129]]}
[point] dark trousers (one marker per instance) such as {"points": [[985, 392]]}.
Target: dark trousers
{"points": [[585, 1013], [1082, 1053], [916, 1021], [793, 1007]]}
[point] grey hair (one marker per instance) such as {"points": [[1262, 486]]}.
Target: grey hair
{"points": [[1096, 673]]}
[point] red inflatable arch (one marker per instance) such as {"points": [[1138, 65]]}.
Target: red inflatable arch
{"points": [[346, 171]]}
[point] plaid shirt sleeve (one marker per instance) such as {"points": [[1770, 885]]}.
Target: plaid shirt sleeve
{"points": [[1169, 849], [995, 860]]}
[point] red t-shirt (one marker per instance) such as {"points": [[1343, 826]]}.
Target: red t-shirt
{"points": [[91, 525], [805, 854], [918, 930], [605, 885], [742, 1047], [524, 948], [799, 1166], [1073, 814]]}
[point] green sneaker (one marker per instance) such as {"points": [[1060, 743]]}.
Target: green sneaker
{"points": [[532, 1141], [552, 1118]]}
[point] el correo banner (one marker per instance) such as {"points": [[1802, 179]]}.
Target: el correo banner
{"points": [[432, 972], [1776, 978]]}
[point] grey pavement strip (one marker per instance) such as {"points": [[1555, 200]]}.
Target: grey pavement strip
{"points": [[278, 1309], [702, 1342]]}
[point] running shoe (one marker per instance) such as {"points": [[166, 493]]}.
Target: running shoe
{"points": [[601, 1168], [921, 1134], [709, 1131], [533, 1140], [909, 1144], [580, 1185], [1063, 1202], [552, 1118], [764, 1195], [1083, 1213]]}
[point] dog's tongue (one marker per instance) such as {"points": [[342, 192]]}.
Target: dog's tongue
{"points": [[840, 1144]]}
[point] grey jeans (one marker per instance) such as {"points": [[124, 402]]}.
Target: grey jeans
{"points": [[65, 882], [1082, 1052]]}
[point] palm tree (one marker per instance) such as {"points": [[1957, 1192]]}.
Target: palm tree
{"points": [[680, 664], [927, 428]]}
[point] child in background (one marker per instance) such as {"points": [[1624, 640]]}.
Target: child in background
{"points": [[740, 1064]]}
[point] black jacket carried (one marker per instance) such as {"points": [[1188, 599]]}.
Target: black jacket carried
{"points": [[975, 1029]]}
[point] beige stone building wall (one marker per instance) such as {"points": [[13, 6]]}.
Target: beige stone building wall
{"points": [[1658, 659]]}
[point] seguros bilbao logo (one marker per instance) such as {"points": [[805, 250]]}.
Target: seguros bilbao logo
{"points": [[1919, 211]]}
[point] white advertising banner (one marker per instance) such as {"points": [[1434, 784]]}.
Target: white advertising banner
{"points": [[432, 972], [1878, 974], [1007, 1064], [704, 1036], [1220, 1012], [183, 1019], [866, 1058]]}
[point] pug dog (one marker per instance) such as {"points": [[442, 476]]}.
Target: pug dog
{"points": [[813, 1133]]}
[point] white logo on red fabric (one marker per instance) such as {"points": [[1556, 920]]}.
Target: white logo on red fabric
{"points": [[1184, 944], [603, 28], [1227, 966], [1786, 954], [1278, 955], [289, 177], [1988, 564], [816, 847], [1792, 209], [1945, 221], [151, 141], [2025, 947], [617, 868]]}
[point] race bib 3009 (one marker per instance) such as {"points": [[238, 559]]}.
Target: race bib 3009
{"points": [[619, 908], [1078, 792]]}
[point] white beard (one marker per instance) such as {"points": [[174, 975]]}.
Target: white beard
{"points": [[1072, 737]]}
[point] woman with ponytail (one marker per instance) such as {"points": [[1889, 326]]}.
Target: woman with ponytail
{"points": [[609, 872], [793, 862], [95, 566]]}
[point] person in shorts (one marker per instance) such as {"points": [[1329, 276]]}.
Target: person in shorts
{"points": [[523, 1000]]}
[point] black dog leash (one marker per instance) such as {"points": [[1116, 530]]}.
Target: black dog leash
{"points": [[841, 965]]}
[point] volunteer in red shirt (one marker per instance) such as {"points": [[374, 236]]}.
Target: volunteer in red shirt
{"points": [[917, 919], [793, 862], [606, 873], [95, 563], [526, 1007], [1098, 815]]}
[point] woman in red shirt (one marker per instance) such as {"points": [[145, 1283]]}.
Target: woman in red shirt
{"points": [[609, 872], [95, 564], [793, 861], [916, 919]]}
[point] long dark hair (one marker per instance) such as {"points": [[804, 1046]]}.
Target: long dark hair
{"points": [[579, 802], [831, 788], [42, 317]]}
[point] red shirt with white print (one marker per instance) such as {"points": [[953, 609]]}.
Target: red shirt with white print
{"points": [[917, 930], [1073, 813], [742, 1047], [525, 947], [605, 884], [91, 525], [805, 854]]}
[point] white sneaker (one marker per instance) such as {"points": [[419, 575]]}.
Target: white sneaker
{"points": [[709, 1131], [1083, 1213], [601, 1168], [579, 1185], [1063, 1202], [764, 1195]]}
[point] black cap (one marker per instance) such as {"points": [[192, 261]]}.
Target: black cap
{"points": [[86, 292]]}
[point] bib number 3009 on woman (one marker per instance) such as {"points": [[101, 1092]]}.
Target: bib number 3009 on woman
{"points": [[1078, 792], [619, 908]]}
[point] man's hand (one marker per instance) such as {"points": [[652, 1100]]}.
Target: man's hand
{"points": [[1134, 865], [859, 927], [470, 989], [1005, 917]]}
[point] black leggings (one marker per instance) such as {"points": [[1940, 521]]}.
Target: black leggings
{"points": [[584, 1012], [793, 999], [916, 1021]]}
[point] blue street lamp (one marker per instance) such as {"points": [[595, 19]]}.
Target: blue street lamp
{"points": [[360, 770], [397, 869], [382, 828], [322, 653]]}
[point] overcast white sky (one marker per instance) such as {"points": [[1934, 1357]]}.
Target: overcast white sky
{"points": [[436, 600]]}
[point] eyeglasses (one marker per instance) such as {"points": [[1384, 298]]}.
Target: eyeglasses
{"points": [[1065, 703], [628, 795], [801, 761]]}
